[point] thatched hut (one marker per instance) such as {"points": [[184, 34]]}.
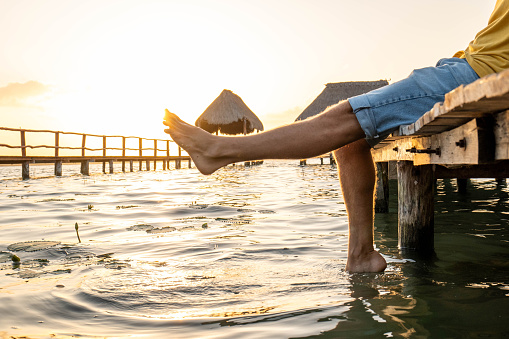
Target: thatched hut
{"points": [[335, 92], [228, 114]]}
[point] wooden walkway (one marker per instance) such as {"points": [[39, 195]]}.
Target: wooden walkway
{"points": [[466, 136], [328, 156], [159, 150]]}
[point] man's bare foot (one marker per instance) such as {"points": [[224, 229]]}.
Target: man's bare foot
{"points": [[369, 262], [203, 147]]}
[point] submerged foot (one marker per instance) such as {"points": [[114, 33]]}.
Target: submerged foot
{"points": [[201, 146], [370, 262]]}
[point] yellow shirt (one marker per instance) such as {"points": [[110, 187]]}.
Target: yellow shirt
{"points": [[489, 51]]}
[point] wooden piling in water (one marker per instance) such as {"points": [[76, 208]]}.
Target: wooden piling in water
{"points": [[382, 187], [58, 168], [25, 170], [461, 184], [415, 207], [85, 167]]}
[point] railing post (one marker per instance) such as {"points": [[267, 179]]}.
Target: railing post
{"points": [[23, 144], [167, 161], [57, 137], [58, 163], [104, 153], [141, 152], [155, 153], [25, 165], [123, 154], [85, 164], [83, 140]]}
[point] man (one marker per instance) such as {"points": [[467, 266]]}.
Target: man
{"points": [[352, 127]]}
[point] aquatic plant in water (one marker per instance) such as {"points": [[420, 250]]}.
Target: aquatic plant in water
{"points": [[32, 246]]}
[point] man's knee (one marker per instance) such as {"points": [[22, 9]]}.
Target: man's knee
{"points": [[355, 148]]}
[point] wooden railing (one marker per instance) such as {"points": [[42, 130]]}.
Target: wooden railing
{"points": [[123, 153]]}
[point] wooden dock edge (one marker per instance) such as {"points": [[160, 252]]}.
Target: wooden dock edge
{"points": [[467, 136]]}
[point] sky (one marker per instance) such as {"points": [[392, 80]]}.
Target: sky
{"points": [[113, 66]]}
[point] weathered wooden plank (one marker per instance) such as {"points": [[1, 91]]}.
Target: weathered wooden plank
{"points": [[458, 146], [472, 143], [395, 151], [485, 96], [501, 132], [448, 121]]}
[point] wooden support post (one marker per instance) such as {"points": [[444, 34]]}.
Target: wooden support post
{"points": [[140, 143], [321, 160], [58, 168], [57, 138], [23, 144], [189, 163], [461, 184], [83, 140], [104, 153], [332, 161], [58, 163], [111, 166], [155, 153], [123, 154], [415, 207], [85, 167], [25, 169], [167, 162], [147, 165], [131, 165], [302, 162], [382, 187]]}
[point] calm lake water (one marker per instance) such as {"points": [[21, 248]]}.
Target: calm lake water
{"points": [[255, 252]]}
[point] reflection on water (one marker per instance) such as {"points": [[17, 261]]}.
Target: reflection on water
{"points": [[247, 252]]}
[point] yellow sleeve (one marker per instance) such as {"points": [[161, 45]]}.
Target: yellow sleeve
{"points": [[489, 51]]}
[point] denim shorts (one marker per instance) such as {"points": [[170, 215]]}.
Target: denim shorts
{"points": [[381, 111]]}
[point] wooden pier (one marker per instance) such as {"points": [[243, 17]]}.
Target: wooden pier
{"points": [[466, 136], [159, 150], [329, 157]]}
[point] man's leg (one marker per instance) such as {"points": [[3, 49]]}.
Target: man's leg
{"points": [[357, 176], [332, 129]]}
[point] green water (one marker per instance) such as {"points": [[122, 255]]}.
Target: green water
{"points": [[245, 253]]}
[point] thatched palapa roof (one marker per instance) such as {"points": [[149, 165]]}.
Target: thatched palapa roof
{"points": [[228, 114], [335, 92]]}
